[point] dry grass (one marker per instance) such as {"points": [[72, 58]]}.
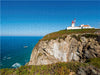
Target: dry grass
{"points": [[64, 33], [61, 68]]}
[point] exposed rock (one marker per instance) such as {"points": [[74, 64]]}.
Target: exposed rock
{"points": [[65, 50], [89, 70], [72, 73]]}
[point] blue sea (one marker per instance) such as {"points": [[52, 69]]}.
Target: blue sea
{"points": [[16, 50]]}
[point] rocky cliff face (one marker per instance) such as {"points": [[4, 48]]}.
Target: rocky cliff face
{"points": [[76, 47]]}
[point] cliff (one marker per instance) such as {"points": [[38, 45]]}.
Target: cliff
{"points": [[72, 52], [66, 46]]}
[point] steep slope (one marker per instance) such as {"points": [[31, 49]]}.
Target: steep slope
{"points": [[90, 67], [73, 52], [74, 46]]}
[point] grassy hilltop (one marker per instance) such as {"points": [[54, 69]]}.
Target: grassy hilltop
{"points": [[64, 33]]}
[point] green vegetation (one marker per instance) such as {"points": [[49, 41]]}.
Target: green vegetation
{"points": [[61, 68], [64, 33], [94, 61], [77, 37], [90, 35]]}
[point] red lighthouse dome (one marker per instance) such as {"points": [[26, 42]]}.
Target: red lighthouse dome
{"points": [[73, 22]]}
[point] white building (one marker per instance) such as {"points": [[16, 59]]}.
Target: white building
{"points": [[82, 26]]}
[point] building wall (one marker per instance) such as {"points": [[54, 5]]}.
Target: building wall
{"points": [[68, 28], [87, 27]]}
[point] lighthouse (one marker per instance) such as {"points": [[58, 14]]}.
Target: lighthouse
{"points": [[78, 27], [73, 23]]}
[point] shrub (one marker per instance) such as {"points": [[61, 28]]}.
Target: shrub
{"points": [[94, 61], [90, 35], [61, 68], [76, 37], [60, 33]]}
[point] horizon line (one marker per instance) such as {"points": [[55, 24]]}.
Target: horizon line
{"points": [[15, 35]]}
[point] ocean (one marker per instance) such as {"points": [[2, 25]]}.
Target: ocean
{"points": [[16, 50]]}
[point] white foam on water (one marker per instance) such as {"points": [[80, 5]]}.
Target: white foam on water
{"points": [[16, 65], [5, 58], [9, 58]]}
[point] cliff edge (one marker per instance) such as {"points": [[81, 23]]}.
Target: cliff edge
{"points": [[66, 46], [81, 47]]}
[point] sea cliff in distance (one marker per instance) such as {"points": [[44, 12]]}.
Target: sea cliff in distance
{"points": [[66, 52]]}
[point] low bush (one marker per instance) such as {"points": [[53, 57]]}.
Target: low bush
{"points": [[61, 68], [94, 61], [76, 37], [90, 35], [61, 33]]}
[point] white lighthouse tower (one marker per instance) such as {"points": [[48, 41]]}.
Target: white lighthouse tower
{"points": [[78, 27], [73, 23]]}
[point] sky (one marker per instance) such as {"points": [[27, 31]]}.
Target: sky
{"points": [[38, 18]]}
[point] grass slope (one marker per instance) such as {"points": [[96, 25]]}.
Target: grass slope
{"points": [[64, 33], [52, 69]]}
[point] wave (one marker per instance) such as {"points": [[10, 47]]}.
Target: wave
{"points": [[9, 58], [5, 57], [16, 65]]}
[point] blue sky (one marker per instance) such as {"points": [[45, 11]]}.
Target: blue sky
{"points": [[38, 18]]}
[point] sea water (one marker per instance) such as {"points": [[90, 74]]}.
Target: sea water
{"points": [[16, 50]]}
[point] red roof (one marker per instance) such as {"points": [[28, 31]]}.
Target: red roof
{"points": [[86, 26], [72, 21]]}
